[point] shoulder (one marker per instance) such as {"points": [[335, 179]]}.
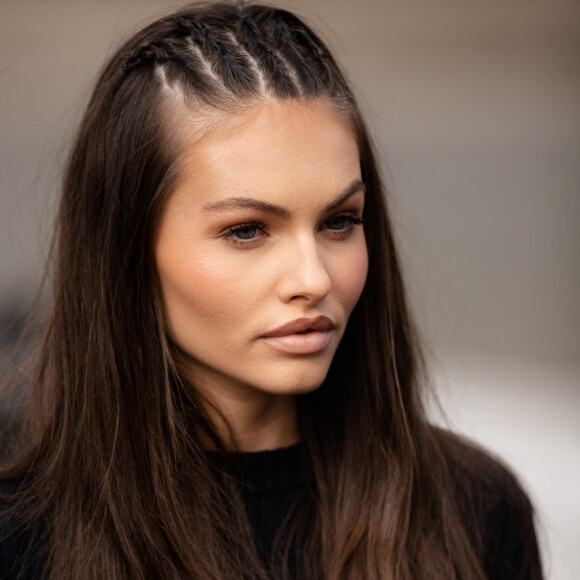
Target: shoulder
{"points": [[476, 472], [490, 496]]}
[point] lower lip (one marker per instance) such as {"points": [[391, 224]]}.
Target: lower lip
{"points": [[309, 343]]}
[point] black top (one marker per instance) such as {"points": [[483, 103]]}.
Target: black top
{"points": [[274, 480]]}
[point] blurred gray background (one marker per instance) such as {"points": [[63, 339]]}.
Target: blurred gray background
{"points": [[475, 108]]}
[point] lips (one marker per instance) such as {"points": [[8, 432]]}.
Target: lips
{"points": [[301, 336], [302, 325]]}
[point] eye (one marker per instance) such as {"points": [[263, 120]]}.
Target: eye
{"points": [[342, 224], [338, 222], [244, 234]]}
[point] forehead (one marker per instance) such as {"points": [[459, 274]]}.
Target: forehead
{"points": [[270, 148]]}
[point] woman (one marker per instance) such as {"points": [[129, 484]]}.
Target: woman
{"points": [[229, 383]]}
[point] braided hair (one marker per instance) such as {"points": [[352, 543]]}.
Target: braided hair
{"points": [[239, 53]]}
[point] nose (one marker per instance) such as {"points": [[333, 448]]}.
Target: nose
{"points": [[304, 276]]}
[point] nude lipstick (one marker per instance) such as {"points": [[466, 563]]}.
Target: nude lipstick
{"points": [[301, 336]]}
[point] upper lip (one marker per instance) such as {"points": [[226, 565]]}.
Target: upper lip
{"points": [[320, 323]]}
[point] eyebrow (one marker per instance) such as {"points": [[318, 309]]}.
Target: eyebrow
{"points": [[278, 210]]}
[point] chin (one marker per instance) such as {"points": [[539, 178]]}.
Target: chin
{"points": [[297, 385]]}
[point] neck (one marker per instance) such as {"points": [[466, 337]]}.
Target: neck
{"points": [[250, 420], [258, 425]]}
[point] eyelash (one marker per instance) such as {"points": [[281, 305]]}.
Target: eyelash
{"points": [[232, 231], [352, 217]]}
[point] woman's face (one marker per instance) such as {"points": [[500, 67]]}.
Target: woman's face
{"points": [[260, 252]]}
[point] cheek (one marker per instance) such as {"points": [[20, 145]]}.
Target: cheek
{"points": [[350, 276], [200, 288]]}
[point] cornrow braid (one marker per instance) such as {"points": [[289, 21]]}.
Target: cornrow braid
{"points": [[257, 51], [305, 53], [280, 75], [223, 58], [158, 52]]}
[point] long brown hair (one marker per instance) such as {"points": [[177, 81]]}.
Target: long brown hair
{"points": [[114, 473]]}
